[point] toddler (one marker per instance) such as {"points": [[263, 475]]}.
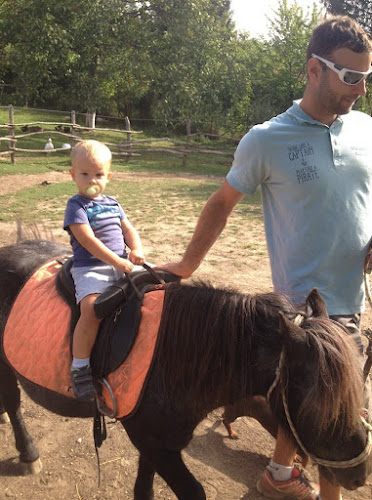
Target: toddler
{"points": [[99, 234]]}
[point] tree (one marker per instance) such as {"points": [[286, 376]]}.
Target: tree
{"points": [[361, 10], [88, 55], [192, 53], [109, 67], [277, 64], [165, 59], [35, 47]]}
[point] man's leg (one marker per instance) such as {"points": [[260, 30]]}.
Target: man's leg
{"points": [[282, 479], [329, 491], [352, 324], [278, 480]]}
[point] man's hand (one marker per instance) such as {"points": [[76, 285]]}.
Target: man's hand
{"points": [[177, 268]]}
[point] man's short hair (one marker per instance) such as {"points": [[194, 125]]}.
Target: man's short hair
{"points": [[338, 32]]}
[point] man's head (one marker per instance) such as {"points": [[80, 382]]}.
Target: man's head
{"points": [[339, 61], [90, 167]]}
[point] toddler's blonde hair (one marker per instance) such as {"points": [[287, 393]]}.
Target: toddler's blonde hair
{"points": [[93, 150]]}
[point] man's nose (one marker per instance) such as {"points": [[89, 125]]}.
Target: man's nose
{"points": [[361, 86]]}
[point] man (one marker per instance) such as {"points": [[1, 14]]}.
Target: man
{"points": [[313, 164]]}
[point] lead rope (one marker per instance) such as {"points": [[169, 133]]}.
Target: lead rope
{"points": [[342, 464], [367, 273]]}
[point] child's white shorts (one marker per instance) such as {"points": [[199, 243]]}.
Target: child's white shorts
{"points": [[95, 279]]}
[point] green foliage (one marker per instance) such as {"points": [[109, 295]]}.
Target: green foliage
{"points": [[165, 60], [361, 10], [277, 64], [35, 45], [194, 53]]}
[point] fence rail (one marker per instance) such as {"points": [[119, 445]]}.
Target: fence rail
{"points": [[73, 133]]}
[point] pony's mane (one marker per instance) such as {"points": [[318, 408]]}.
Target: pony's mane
{"points": [[207, 336], [212, 328], [33, 232], [336, 391]]}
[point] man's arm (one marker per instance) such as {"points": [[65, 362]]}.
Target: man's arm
{"points": [[210, 225]]}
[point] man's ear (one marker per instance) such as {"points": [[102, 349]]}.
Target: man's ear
{"points": [[314, 69], [72, 173]]}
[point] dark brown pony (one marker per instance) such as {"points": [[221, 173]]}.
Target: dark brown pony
{"points": [[217, 347]]}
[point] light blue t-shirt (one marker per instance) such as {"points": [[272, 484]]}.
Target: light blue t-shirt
{"points": [[316, 186]]}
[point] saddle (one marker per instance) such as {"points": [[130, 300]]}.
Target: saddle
{"points": [[119, 307]]}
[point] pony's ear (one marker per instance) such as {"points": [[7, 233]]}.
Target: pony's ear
{"points": [[315, 304], [291, 333]]}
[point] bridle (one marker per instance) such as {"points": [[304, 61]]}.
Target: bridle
{"points": [[342, 464]]}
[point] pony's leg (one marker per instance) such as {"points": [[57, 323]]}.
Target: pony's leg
{"points": [[11, 399], [170, 466], [167, 463], [4, 417], [143, 489], [255, 407]]}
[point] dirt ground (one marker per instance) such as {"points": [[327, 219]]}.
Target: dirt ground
{"points": [[228, 469]]}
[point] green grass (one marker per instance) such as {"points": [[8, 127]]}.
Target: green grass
{"points": [[160, 163], [34, 165], [178, 195], [148, 200], [28, 115]]}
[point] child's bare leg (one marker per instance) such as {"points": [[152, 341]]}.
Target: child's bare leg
{"points": [[83, 340], [86, 328]]}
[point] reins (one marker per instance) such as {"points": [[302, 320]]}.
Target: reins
{"points": [[341, 464]]}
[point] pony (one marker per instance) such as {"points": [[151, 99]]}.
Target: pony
{"points": [[216, 347]]}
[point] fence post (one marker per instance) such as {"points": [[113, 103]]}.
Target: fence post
{"points": [[129, 135], [11, 132], [90, 119], [73, 132]]}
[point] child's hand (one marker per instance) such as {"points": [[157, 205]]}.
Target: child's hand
{"points": [[125, 266], [137, 257]]}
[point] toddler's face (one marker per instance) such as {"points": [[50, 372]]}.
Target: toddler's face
{"points": [[90, 176]]}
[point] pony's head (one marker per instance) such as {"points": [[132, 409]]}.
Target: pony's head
{"points": [[319, 395]]}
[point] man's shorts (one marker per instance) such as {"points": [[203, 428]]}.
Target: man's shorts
{"points": [[352, 323], [95, 279]]}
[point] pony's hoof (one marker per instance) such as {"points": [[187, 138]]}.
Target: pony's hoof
{"points": [[232, 434], [31, 468], [4, 418]]}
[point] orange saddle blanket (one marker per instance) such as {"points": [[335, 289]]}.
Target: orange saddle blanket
{"points": [[37, 341]]}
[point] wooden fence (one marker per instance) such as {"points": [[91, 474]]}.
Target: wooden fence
{"points": [[72, 132]]}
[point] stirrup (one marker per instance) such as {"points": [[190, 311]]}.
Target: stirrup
{"points": [[101, 405]]}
